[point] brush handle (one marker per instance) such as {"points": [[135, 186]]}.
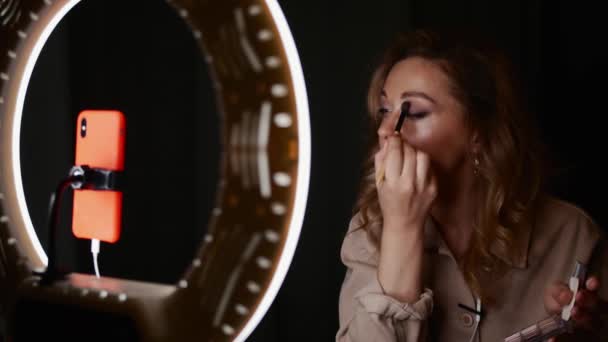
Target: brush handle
{"points": [[380, 175]]}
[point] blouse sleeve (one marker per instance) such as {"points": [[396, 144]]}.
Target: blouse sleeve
{"points": [[366, 312]]}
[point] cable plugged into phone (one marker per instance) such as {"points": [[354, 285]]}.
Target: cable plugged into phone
{"points": [[80, 177], [95, 252]]}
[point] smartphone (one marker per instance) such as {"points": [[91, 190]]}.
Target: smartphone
{"points": [[100, 143]]}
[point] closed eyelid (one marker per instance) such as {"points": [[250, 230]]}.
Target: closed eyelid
{"points": [[421, 105], [384, 106]]}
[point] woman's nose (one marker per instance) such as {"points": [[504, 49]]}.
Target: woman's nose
{"points": [[387, 125]]}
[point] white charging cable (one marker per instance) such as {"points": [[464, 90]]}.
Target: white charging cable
{"points": [[95, 252]]}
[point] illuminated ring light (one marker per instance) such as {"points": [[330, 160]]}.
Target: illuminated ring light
{"points": [[256, 222]]}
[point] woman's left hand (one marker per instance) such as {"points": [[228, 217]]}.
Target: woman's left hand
{"points": [[587, 304]]}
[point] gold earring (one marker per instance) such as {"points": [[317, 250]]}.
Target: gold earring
{"points": [[476, 166]]}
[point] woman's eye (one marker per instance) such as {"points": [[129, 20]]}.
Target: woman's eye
{"points": [[382, 111], [418, 115]]}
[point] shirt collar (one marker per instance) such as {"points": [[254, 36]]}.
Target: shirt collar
{"points": [[434, 242]]}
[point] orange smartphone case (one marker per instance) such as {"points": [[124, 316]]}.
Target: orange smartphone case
{"points": [[97, 214]]}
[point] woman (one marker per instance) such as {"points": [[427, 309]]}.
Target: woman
{"points": [[455, 241]]}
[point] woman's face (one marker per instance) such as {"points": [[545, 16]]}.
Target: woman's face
{"points": [[436, 125]]}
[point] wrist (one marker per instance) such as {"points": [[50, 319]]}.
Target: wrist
{"points": [[400, 267], [403, 226]]}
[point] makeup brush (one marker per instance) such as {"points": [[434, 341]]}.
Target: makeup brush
{"points": [[405, 111]]}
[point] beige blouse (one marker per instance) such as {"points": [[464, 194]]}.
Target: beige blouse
{"points": [[562, 235]]}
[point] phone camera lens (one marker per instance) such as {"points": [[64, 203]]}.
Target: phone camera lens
{"points": [[83, 128]]}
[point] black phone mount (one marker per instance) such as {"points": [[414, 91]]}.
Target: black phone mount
{"points": [[96, 178], [81, 177]]}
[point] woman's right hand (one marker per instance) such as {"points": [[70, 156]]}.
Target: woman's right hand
{"points": [[408, 187]]}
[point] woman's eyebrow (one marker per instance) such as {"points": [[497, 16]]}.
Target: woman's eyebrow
{"points": [[412, 94], [417, 94]]}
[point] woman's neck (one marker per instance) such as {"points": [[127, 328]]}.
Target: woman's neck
{"points": [[454, 210]]}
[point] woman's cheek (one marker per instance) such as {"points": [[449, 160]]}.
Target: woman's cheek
{"points": [[420, 136], [441, 148]]}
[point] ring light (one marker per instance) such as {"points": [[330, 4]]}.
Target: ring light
{"points": [[262, 192]]}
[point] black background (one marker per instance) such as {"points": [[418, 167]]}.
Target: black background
{"points": [[113, 54]]}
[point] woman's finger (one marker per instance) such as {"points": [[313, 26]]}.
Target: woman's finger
{"points": [[379, 159], [394, 158], [556, 297], [582, 317], [408, 172], [592, 284], [586, 299], [422, 171]]}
